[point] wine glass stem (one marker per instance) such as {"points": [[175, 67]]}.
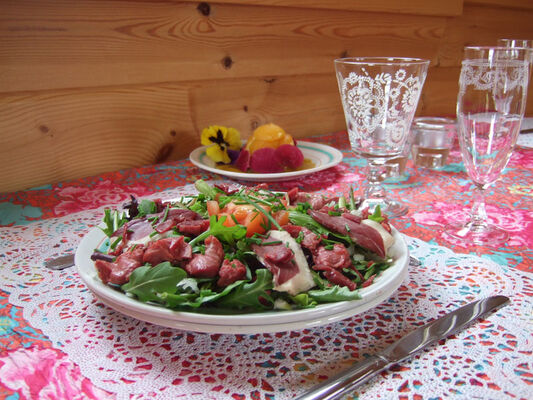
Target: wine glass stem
{"points": [[375, 174], [478, 214]]}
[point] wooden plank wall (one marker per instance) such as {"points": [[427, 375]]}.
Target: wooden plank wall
{"points": [[101, 85]]}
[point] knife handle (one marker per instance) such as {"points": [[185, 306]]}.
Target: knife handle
{"points": [[346, 381]]}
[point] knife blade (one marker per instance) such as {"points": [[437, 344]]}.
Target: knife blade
{"points": [[404, 348], [60, 262]]}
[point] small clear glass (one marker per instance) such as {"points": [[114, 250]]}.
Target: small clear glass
{"points": [[432, 140]]}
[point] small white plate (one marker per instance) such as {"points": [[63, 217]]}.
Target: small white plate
{"points": [[261, 322], [323, 156]]}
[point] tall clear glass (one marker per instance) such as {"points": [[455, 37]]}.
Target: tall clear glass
{"points": [[379, 96], [490, 106], [526, 43], [519, 43]]}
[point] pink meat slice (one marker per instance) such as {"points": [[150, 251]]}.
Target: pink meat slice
{"points": [[208, 264], [119, 272], [231, 271], [278, 259], [364, 235], [193, 227], [310, 241], [337, 258], [172, 249]]}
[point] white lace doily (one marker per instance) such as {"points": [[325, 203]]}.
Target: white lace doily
{"points": [[132, 359]]}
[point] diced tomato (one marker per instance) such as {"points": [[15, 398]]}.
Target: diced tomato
{"points": [[212, 207], [247, 215], [229, 221], [255, 223], [281, 217], [240, 213]]}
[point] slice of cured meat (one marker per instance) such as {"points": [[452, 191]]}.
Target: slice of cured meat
{"points": [[119, 271], [206, 265], [173, 249], [362, 234]]}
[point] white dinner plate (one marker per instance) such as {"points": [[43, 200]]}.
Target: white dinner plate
{"points": [[323, 156], [260, 322]]}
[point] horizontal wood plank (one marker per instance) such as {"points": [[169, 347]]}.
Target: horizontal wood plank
{"points": [[519, 4], [101, 43], [421, 7]]}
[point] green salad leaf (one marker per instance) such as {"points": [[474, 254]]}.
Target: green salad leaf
{"points": [[146, 207], [181, 300], [334, 293], [113, 220], [145, 282], [252, 294], [228, 234]]}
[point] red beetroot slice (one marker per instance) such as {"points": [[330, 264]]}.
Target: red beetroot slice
{"points": [[264, 161], [289, 156], [243, 160]]}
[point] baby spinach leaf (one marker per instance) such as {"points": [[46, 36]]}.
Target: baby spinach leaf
{"points": [[145, 282], [146, 207]]}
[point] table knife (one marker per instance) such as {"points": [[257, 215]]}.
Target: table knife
{"points": [[60, 262], [404, 348]]}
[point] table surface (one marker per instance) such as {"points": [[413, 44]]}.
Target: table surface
{"points": [[58, 340]]}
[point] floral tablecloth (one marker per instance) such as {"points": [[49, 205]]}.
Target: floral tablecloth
{"points": [[58, 341]]}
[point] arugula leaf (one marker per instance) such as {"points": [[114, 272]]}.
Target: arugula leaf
{"points": [[248, 294], [195, 300], [113, 220], [334, 293], [227, 234], [304, 300], [145, 282], [175, 300], [376, 215]]}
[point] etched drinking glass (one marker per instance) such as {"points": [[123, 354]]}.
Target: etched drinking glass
{"points": [[379, 96], [490, 106]]}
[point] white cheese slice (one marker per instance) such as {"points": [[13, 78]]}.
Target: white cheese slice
{"points": [[146, 239], [303, 280], [388, 240]]}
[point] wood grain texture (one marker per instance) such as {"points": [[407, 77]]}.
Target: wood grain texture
{"points": [[421, 7], [100, 85], [102, 43], [520, 4], [62, 135]]}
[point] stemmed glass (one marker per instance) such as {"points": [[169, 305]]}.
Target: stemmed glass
{"points": [[490, 106], [519, 43], [379, 96]]}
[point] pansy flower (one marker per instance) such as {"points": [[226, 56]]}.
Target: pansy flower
{"points": [[219, 140]]}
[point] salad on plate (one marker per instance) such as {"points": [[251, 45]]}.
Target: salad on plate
{"points": [[233, 250]]}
